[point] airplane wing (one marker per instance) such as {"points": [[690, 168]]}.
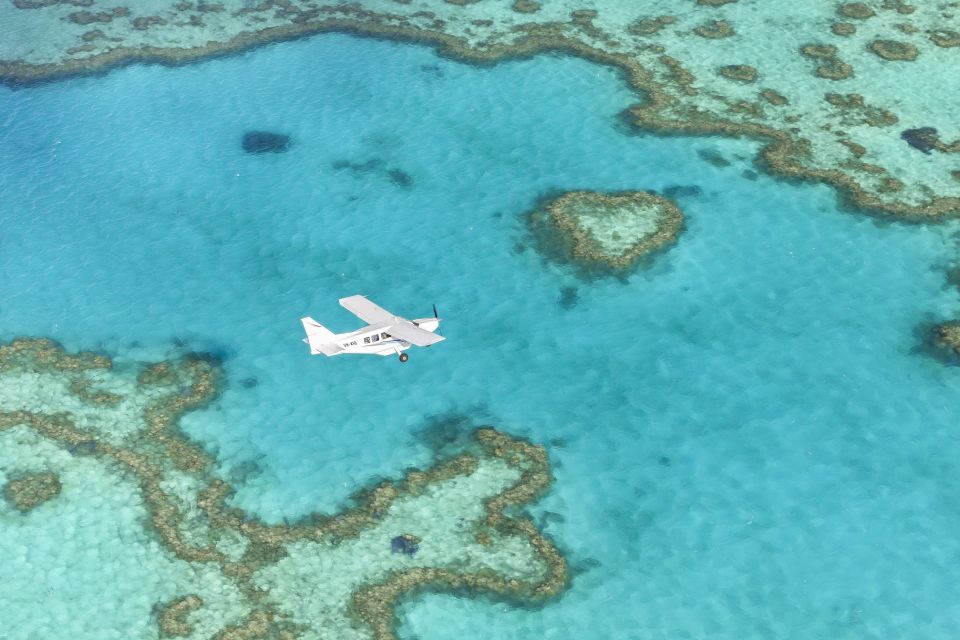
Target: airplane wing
{"points": [[366, 310], [414, 335]]}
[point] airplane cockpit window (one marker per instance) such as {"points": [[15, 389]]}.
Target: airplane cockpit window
{"points": [[385, 335], [376, 338], [366, 340]]}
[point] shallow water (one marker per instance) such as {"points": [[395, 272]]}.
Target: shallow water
{"points": [[747, 442]]}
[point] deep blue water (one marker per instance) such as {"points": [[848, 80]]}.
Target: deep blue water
{"points": [[747, 442]]}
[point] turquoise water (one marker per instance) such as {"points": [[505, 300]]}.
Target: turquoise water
{"points": [[747, 443]]}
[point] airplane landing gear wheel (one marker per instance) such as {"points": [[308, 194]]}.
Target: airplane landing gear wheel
{"points": [[404, 357]]}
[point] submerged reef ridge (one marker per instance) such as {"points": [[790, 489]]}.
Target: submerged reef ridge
{"points": [[860, 48], [265, 142], [325, 576]]}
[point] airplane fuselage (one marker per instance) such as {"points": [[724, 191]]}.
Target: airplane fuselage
{"points": [[384, 333], [375, 339]]}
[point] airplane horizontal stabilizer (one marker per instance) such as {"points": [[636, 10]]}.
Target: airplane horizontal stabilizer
{"points": [[320, 339]]}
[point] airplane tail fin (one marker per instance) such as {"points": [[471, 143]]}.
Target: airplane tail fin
{"points": [[320, 339]]}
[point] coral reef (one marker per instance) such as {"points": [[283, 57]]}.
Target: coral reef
{"points": [[843, 29], [947, 336], [526, 6], [831, 67], [607, 230], [927, 139], [945, 38], [856, 10], [650, 26], [172, 618], [31, 490], [853, 110], [923, 138], [714, 30], [739, 72], [894, 50], [673, 68], [422, 532]]}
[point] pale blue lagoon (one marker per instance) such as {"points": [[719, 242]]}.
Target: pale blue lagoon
{"points": [[748, 438]]}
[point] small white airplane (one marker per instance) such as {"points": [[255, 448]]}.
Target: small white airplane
{"points": [[385, 333]]}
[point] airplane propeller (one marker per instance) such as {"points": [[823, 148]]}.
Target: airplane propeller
{"points": [[437, 316]]}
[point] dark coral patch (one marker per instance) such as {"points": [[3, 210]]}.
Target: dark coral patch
{"points": [[714, 30], [739, 73], [526, 6], [713, 157], [774, 97], [894, 50], [82, 448], [831, 67], [400, 178], [569, 296], [819, 51], [683, 191], [923, 138], [899, 6], [265, 142], [357, 168], [843, 29], [834, 69], [650, 26], [945, 38], [406, 544], [856, 10]]}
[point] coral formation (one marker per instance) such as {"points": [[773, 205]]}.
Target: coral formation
{"points": [[924, 138], [739, 72], [274, 570], [526, 6], [31, 490], [714, 30], [894, 50], [856, 10], [927, 139], [650, 26], [854, 110], [899, 6], [843, 29], [608, 230], [948, 336], [172, 618], [831, 67], [945, 38], [774, 97]]}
